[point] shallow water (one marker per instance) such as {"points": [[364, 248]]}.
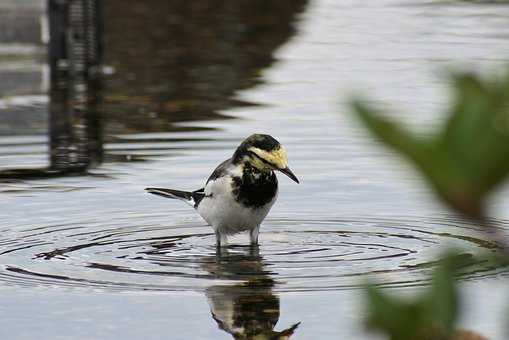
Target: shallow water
{"points": [[93, 256], [143, 253]]}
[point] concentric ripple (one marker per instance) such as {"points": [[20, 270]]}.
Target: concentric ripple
{"points": [[296, 254]]}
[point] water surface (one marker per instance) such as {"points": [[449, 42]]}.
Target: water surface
{"points": [[88, 255]]}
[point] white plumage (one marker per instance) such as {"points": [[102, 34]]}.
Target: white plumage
{"points": [[226, 215]]}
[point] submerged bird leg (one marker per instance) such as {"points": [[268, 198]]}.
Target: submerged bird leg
{"points": [[254, 251], [253, 235], [221, 252]]}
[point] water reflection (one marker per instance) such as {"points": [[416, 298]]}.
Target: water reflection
{"points": [[164, 63], [247, 310], [184, 61]]}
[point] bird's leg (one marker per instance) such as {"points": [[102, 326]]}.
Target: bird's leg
{"points": [[253, 235], [221, 240]]}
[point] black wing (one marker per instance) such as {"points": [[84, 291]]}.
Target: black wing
{"points": [[220, 170]]}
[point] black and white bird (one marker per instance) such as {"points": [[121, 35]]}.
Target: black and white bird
{"points": [[241, 190]]}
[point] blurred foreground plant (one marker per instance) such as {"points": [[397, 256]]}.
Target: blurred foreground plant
{"points": [[464, 162], [469, 156], [430, 316]]}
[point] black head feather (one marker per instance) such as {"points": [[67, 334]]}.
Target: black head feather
{"points": [[263, 142]]}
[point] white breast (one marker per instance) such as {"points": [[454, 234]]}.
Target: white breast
{"points": [[220, 209]]}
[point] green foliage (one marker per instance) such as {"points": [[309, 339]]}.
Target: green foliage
{"points": [[466, 159], [432, 315]]}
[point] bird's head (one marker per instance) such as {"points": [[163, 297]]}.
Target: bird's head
{"points": [[264, 153]]}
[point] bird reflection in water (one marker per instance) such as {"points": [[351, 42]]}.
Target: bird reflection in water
{"points": [[248, 310]]}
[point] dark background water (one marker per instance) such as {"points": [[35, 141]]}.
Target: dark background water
{"points": [[93, 256]]}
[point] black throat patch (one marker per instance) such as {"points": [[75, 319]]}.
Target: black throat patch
{"points": [[255, 188]]}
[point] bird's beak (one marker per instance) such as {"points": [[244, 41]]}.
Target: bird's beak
{"points": [[290, 174]]}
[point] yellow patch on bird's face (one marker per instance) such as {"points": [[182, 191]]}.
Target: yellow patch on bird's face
{"points": [[275, 159]]}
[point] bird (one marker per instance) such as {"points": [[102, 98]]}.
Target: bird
{"points": [[240, 192]]}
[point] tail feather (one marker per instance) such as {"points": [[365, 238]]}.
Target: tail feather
{"points": [[185, 196], [288, 332]]}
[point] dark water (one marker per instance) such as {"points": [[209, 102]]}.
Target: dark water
{"points": [[93, 256]]}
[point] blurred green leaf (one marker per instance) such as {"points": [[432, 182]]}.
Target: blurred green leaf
{"points": [[432, 315], [397, 318], [466, 159], [442, 300]]}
